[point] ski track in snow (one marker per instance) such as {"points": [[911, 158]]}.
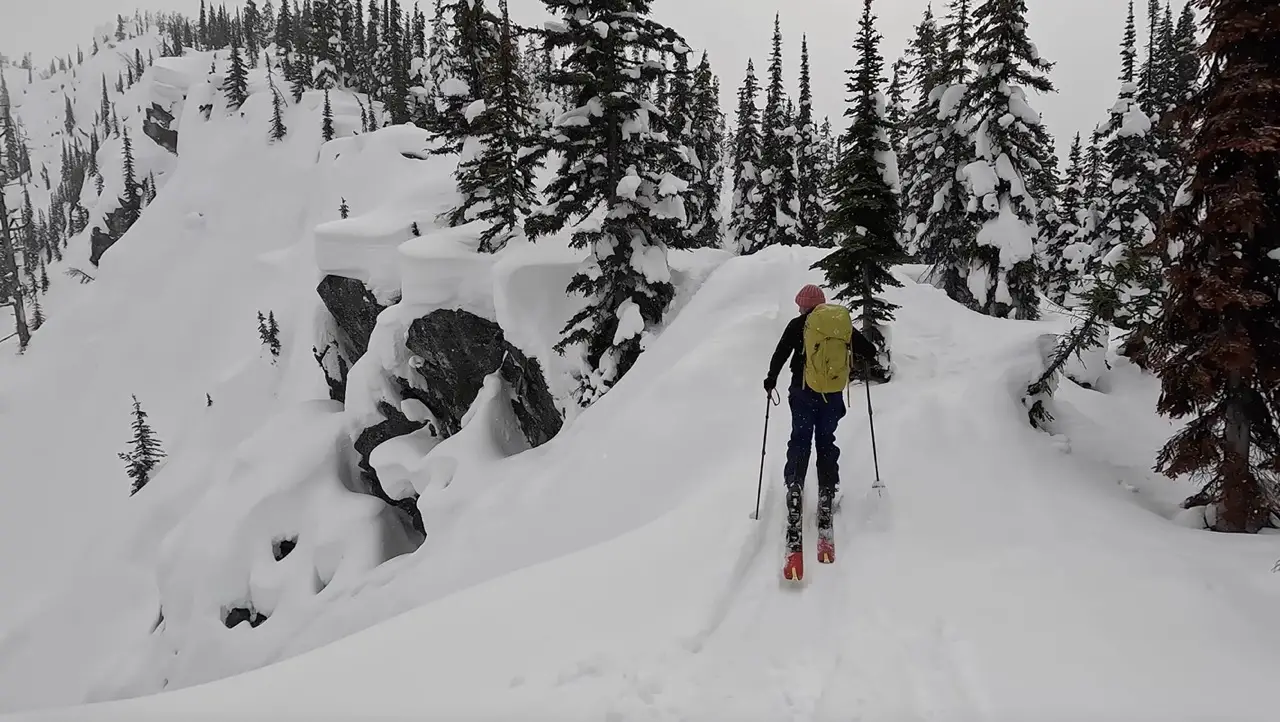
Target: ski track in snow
{"points": [[838, 653]]}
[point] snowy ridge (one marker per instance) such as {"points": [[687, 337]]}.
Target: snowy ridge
{"points": [[1060, 585]]}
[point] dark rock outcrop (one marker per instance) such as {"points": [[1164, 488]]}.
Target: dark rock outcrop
{"points": [[396, 425], [458, 350], [156, 127], [99, 242], [354, 309], [239, 615]]}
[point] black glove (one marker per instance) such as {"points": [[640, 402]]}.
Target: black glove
{"points": [[770, 384]]}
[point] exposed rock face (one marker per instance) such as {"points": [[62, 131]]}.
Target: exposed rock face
{"points": [[354, 309], [396, 425], [99, 242], [156, 127], [458, 350]]}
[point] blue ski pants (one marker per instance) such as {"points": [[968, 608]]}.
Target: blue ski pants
{"points": [[814, 418]]}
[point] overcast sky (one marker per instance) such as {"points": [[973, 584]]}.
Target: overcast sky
{"points": [[1081, 36]]}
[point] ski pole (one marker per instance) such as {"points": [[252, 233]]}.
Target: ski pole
{"points": [[866, 365], [764, 446], [871, 422]]}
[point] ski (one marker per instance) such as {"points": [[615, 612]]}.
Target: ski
{"points": [[826, 547], [793, 570]]}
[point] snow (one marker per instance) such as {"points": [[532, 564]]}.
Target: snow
{"points": [[1019, 108], [949, 101], [1135, 123], [1009, 233], [1003, 569], [982, 178], [628, 186], [475, 110], [1099, 571], [630, 322], [455, 88]]}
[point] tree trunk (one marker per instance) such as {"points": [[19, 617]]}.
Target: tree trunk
{"points": [[1240, 502]]}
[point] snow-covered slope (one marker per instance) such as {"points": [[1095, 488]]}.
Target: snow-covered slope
{"points": [[611, 573], [616, 574]]}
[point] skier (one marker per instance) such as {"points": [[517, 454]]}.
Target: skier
{"points": [[815, 412]]}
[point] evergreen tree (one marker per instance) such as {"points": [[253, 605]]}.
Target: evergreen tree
{"points": [[462, 83], [203, 29], [1215, 346], [326, 45], [1002, 266], [809, 178], [863, 220], [273, 335], [774, 220], [746, 167], [937, 226], [105, 110], [326, 128], [252, 30], [897, 109], [278, 129], [615, 148], [284, 31], [69, 119], [497, 179], [131, 200], [708, 145], [1063, 269], [146, 452], [1123, 284], [236, 85], [1187, 63]]}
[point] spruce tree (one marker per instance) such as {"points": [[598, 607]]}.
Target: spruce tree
{"points": [[746, 168], [1215, 346], [69, 116], [462, 83], [497, 179], [1062, 268], [774, 220], [897, 108], [131, 201], [937, 227], [236, 85], [326, 126], [863, 219], [1122, 285], [278, 129], [252, 30], [680, 109], [145, 453], [1002, 270], [708, 144], [809, 179], [615, 148], [326, 45], [105, 109]]}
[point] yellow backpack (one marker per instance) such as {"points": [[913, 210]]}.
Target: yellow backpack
{"points": [[828, 331]]}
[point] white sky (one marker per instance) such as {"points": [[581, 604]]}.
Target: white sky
{"points": [[1081, 36]]}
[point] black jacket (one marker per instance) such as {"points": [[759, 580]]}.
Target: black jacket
{"points": [[792, 344]]}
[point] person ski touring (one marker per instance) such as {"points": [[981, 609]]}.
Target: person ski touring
{"points": [[819, 343]]}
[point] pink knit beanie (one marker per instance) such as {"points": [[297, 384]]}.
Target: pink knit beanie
{"points": [[810, 297]]}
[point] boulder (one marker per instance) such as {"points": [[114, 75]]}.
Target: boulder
{"points": [[458, 350]]}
